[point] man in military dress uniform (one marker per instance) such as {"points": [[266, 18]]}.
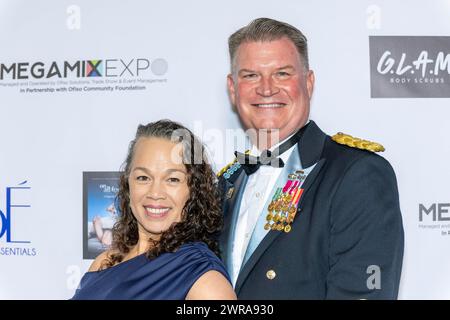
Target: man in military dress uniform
{"points": [[307, 216]]}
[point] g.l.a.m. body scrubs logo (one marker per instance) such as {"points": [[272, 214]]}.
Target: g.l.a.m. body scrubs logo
{"points": [[409, 67]]}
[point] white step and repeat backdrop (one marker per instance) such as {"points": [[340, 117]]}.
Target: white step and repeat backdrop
{"points": [[77, 77]]}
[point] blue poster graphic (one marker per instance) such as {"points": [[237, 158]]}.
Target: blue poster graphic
{"points": [[99, 211]]}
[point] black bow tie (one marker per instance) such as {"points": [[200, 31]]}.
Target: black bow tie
{"points": [[251, 164]]}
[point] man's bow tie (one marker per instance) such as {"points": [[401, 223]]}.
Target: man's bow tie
{"points": [[251, 163]]}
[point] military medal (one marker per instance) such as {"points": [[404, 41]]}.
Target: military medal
{"points": [[283, 206]]}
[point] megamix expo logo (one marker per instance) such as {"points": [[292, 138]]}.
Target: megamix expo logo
{"points": [[409, 66], [80, 69], [83, 75]]}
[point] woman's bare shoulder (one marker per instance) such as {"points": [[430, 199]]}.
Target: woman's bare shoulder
{"points": [[101, 258], [212, 285]]}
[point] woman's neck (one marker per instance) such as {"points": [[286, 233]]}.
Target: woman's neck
{"points": [[141, 247]]}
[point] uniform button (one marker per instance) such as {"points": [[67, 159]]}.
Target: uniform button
{"points": [[257, 194], [246, 235], [271, 274]]}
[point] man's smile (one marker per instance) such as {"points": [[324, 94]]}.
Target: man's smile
{"points": [[269, 105]]}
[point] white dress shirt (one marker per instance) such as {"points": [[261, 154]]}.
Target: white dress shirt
{"points": [[257, 190]]}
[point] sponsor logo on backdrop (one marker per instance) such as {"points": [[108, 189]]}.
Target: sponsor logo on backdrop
{"points": [[11, 243], [409, 67], [104, 75], [435, 216], [99, 211]]}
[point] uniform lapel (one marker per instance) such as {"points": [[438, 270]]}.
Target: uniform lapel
{"points": [[231, 211], [310, 150]]}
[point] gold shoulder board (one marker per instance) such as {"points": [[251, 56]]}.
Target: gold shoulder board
{"points": [[354, 142]]}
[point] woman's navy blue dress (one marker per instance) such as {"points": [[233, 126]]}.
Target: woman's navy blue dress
{"points": [[167, 277]]}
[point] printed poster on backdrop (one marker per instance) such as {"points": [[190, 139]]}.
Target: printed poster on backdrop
{"points": [[99, 211]]}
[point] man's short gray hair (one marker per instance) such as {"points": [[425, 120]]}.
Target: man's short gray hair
{"points": [[265, 29]]}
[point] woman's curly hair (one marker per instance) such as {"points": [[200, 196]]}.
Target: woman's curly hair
{"points": [[201, 215]]}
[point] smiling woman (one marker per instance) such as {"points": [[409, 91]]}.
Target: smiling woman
{"points": [[158, 186], [164, 243]]}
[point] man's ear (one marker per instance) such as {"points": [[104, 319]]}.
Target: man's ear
{"points": [[231, 90], [310, 78]]}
